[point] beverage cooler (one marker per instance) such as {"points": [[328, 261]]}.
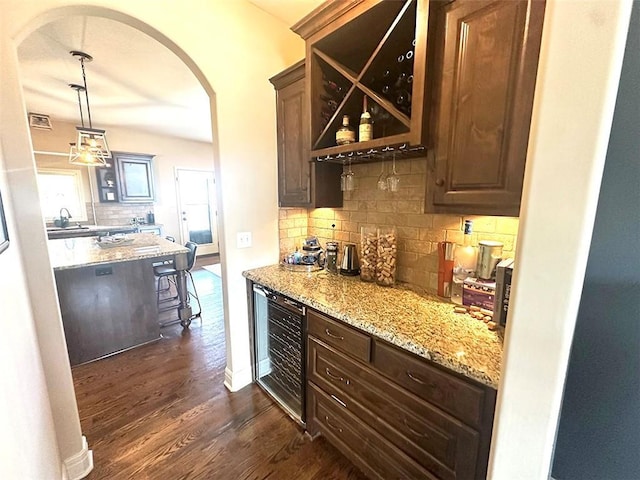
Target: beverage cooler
{"points": [[279, 350]]}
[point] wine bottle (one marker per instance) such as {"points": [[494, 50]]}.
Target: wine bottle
{"points": [[345, 134], [365, 130], [332, 87]]}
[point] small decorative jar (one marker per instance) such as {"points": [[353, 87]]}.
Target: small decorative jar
{"points": [[387, 252], [368, 253]]}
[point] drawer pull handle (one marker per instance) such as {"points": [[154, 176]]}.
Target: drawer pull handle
{"points": [[421, 382], [333, 335], [339, 401], [326, 420], [336, 377], [416, 433], [414, 378]]}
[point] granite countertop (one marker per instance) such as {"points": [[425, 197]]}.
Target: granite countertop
{"points": [[84, 251], [422, 324]]}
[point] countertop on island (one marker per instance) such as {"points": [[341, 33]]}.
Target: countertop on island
{"points": [[422, 324], [84, 251]]}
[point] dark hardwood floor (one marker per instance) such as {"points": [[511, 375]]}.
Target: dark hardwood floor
{"points": [[161, 411]]}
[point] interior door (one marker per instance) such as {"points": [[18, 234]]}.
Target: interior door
{"points": [[197, 209]]}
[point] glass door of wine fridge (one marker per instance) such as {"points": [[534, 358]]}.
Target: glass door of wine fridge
{"points": [[279, 349]]}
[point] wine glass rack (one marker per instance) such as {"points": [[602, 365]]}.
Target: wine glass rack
{"points": [[375, 49]]}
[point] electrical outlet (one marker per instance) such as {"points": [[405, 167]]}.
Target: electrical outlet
{"points": [[244, 239]]}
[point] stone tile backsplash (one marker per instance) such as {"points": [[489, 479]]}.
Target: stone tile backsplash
{"points": [[418, 233]]}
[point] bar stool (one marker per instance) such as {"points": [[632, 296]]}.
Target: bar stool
{"points": [[169, 272]]}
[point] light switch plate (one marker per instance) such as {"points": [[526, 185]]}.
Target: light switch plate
{"points": [[244, 239]]}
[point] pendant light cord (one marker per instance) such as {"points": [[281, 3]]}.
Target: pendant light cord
{"points": [[86, 93], [80, 107]]}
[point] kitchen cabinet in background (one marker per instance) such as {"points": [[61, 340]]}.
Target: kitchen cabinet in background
{"points": [[135, 177], [107, 184], [486, 59], [300, 183]]}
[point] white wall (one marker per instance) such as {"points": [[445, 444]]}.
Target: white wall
{"points": [[170, 152], [233, 48], [28, 446], [581, 56]]}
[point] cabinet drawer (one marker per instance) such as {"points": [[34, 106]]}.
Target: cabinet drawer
{"points": [[461, 399], [437, 441], [374, 455], [340, 336]]}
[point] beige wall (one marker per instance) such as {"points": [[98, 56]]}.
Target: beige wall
{"points": [[233, 48], [418, 233]]}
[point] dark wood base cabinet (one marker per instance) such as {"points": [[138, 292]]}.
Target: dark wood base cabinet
{"points": [[395, 415]]}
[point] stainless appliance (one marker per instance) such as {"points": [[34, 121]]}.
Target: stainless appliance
{"points": [[489, 254], [279, 351], [350, 264], [331, 262], [504, 273]]}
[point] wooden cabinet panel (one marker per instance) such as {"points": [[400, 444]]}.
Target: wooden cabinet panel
{"points": [[339, 335], [453, 395], [486, 64], [440, 443], [371, 452], [300, 183], [107, 308], [135, 177]]}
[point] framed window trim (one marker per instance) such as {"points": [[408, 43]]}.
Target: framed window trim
{"points": [[79, 213]]}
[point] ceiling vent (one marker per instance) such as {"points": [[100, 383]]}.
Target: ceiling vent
{"points": [[39, 120]]}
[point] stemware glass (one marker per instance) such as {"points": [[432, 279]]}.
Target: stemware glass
{"points": [[349, 182], [393, 180], [382, 179]]}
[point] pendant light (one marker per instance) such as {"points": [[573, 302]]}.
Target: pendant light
{"points": [[91, 148]]}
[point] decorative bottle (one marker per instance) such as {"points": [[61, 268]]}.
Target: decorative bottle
{"points": [[365, 132], [464, 263], [345, 134]]}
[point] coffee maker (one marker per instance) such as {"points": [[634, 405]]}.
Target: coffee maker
{"points": [[312, 252]]}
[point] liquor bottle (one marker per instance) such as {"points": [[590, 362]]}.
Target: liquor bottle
{"points": [[345, 134], [365, 130]]}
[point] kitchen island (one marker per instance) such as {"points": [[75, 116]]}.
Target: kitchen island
{"points": [[107, 296], [421, 324]]}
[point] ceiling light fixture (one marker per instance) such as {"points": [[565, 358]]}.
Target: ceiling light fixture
{"points": [[91, 148]]}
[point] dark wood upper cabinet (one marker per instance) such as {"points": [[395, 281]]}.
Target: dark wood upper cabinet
{"points": [[486, 58], [371, 48], [300, 182], [135, 177]]}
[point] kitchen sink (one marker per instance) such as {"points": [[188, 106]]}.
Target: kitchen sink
{"points": [[58, 229]]}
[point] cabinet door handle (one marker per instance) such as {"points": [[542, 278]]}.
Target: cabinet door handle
{"points": [[416, 433], [440, 182], [333, 427], [333, 335], [336, 377]]}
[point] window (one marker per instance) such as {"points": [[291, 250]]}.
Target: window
{"points": [[61, 189]]}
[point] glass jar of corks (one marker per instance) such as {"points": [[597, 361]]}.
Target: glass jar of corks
{"points": [[378, 251]]}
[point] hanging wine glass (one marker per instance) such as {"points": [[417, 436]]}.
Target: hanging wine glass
{"points": [[349, 182], [343, 179], [382, 179], [393, 180]]}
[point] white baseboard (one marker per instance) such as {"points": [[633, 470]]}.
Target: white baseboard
{"points": [[79, 465], [235, 380]]}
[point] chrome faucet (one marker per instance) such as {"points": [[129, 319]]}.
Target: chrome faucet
{"points": [[66, 210]]}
